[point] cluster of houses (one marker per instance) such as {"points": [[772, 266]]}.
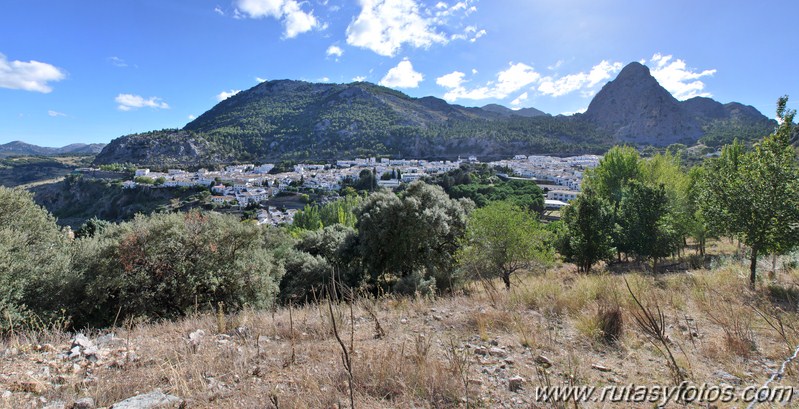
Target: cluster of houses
{"points": [[561, 178], [245, 184]]}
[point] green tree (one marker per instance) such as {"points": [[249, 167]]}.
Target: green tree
{"points": [[645, 223], [586, 239], [34, 259], [755, 195], [316, 256], [415, 235], [618, 167], [665, 170], [501, 239], [91, 227], [698, 227]]}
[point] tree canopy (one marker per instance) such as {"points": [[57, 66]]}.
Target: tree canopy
{"points": [[501, 239]]}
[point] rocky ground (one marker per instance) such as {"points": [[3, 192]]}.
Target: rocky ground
{"points": [[488, 348]]}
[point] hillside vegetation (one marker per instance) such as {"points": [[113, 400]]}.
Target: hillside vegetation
{"points": [[296, 120]]}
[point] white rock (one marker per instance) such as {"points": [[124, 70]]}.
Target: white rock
{"points": [[82, 341], [196, 337], [154, 399]]}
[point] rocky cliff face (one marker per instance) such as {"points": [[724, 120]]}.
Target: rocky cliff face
{"points": [[165, 148], [635, 108]]}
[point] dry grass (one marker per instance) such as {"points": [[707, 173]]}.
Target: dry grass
{"points": [[429, 355]]}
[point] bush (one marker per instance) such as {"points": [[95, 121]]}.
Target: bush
{"points": [[168, 265], [316, 256], [33, 257]]}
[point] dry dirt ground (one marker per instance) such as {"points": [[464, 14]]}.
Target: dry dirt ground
{"points": [[487, 348]]}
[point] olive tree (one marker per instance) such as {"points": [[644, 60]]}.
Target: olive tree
{"points": [[411, 236], [501, 239]]}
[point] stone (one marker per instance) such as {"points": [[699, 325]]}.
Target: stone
{"points": [[82, 341], [84, 403], [6, 395], [516, 383], [152, 400], [74, 352], [110, 341], [600, 368], [543, 361], [196, 337], [481, 351], [495, 351]]}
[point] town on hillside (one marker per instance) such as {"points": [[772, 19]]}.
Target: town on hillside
{"points": [[246, 185]]}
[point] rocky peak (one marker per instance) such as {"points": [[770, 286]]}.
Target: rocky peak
{"points": [[637, 109]]}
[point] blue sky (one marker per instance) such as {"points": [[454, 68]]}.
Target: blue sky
{"points": [[94, 70]]}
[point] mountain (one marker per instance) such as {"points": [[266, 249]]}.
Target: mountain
{"points": [[505, 111], [297, 120], [18, 148], [635, 108]]}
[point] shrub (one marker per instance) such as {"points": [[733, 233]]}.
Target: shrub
{"points": [[167, 265], [33, 255]]}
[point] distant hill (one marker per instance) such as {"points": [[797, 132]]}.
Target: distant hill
{"points": [[287, 119], [505, 111], [18, 148], [297, 120]]}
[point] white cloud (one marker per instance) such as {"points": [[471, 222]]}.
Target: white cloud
{"points": [[516, 77], [682, 82], [556, 65], [580, 81], [117, 62], [451, 80], [402, 76], [260, 8], [28, 76], [259, 79], [295, 20], [470, 33], [226, 94], [384, 26], [324, 79], [55, 113], [218, 10], [478, 35], [334, 51], [192, 117], [359, 78], [521, 98], [129, 102]]}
